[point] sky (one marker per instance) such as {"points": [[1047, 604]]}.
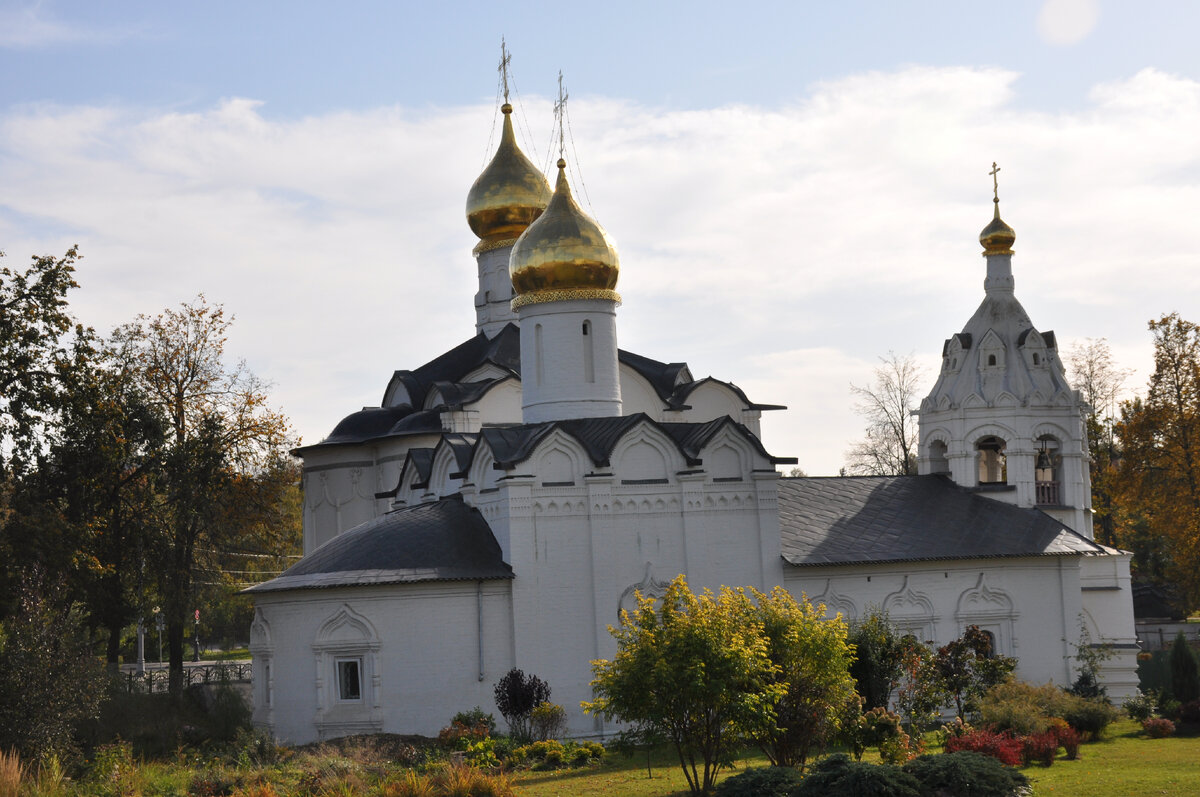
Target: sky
{"points": [[795, 189]]}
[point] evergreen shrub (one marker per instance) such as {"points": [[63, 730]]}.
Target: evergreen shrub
{"points": [[838, 776], [965, 773], [760, 782], [1185, 678]]}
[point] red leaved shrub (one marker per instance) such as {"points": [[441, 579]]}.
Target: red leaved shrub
{"points": [[1001, 746], [1068, 739], [1158, 728], [1039, 748]]}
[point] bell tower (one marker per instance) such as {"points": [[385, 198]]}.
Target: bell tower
{"points": [[1002, 418]]}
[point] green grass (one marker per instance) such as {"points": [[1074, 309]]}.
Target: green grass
{"points": [[1124, 764]]}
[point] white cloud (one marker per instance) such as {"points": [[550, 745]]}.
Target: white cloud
{"points": [[1064, 22], [781, 248], [31, 26]]}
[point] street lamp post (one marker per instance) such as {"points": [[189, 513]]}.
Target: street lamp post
{"points": [[141, 647], [196, 639]]}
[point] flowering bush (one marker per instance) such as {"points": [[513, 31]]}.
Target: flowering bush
{"points": [[1158, 728], [1003, 747]]}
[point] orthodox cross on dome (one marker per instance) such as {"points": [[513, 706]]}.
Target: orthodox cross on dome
{"points": [[560, 113], [995, 183], [505, 60]]}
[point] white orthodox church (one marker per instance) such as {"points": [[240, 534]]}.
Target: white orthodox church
{"points": [[508, 497]]}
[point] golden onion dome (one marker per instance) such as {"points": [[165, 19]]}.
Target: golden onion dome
{"points": [[563, 255], [509, 194], [997, 238]]}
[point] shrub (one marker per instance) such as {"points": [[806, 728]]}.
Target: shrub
{"points": [[1039, 748], [517, 695], [1068, 738], [1140, 707], [1003, 747], [548, 721], [552, 754], [10, 774], [475, 717], [49, 680], [838, 776], [1169, 707], [1158, 728], [1088, 716], [899, 748], [966, 773], [1185, 680], [760, 782], [457, 736], [1018, 707], [1190, 712]]}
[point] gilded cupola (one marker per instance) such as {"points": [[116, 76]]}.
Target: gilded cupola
{"points": [[563, 255], [509, 195], [997, 238]]}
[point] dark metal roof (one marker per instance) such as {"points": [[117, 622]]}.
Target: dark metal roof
{"points": [[845, 520], [443, 540], [663, 377], [367, 423], [512, 445]]}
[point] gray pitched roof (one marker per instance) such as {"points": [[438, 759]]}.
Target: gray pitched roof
{"points": [[443, 540], [825, 521]]}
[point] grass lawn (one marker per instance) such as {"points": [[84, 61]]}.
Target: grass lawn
{"points": [[1123, 764]]}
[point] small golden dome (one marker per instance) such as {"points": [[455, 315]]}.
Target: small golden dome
{"points": [[509, 194], [997, 238], [563, 255]]}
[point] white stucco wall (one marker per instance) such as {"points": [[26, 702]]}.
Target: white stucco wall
{"points": [[421, 657]]}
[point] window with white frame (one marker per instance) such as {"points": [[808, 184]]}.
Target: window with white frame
{"points": [[349, 679]]}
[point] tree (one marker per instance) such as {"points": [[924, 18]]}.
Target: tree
{"points": [[517, 695], [967, 667], [812, 661], [1160, 458], [889, 447], [49, 679], [224, 463], [697, 669], [33, 323], [878, 658], [1095, 374], [1185, 682]]}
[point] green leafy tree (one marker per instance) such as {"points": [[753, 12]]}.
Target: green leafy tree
{"points": [[1185, 682], [697, 669], [812, 660], [49, 679], [34, 324], [878, 658], [921, 694], [967, 667]]}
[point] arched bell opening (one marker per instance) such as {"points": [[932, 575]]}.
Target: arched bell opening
{"points": [[993, 463], [1048, 471]]}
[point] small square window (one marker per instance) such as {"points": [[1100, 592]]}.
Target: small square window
{"points": [[349, 679]]}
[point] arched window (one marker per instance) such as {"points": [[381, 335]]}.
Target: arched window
{"points": [[938, 463], [589, 356], [993, 464], [1047, 470]]}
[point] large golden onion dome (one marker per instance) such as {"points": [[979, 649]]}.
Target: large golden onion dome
{"points": [[509, 194], [563, 255]]}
